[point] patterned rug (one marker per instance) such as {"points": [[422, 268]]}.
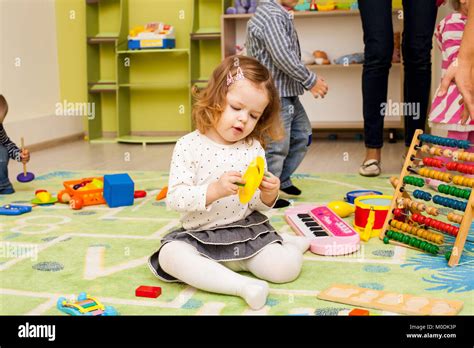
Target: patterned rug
{"points": [[55, 251]]}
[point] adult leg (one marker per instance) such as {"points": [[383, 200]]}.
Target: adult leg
{"points": [[300, 139], [419, 23], [183, 262], [376, 18]]}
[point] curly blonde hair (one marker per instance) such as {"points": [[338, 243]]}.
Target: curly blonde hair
{"points": [[210, 102]]}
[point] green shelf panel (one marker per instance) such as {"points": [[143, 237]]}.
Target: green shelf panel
{"points": [[108, 69], [159, 110], [207, 14], [109, 112], [109, 16], [135, 139], [154, 70], [164, 85], [208, 30], [162, 51]]}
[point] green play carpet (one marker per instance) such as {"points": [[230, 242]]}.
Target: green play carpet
{"points": [[55, 251]]}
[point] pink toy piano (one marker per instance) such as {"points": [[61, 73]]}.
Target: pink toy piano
{"points": [[329, 234]]}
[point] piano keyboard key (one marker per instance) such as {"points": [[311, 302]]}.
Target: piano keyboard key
{"points": [[320, 234]]}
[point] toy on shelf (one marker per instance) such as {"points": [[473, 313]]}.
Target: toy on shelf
{"points": [[321, 58], [253, 178], [329, 234], [43, 197], [24, 176], [326, 5], [242, 7], [390, 301], [370, 215], [148, 291], [119, 190], [305, 6], [13, 210], [153, 35], [163, 193], [348, 59], [83, 192], [407, 223], [85, 305], [352, 195], [342, 209]]}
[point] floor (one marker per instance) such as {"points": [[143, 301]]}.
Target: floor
{"points": [[324, 156]]}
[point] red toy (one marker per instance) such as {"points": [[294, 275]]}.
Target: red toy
{"points": [[139, 194], [356, 312], [148, 291]]}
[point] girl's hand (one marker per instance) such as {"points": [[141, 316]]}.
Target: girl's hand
{"points": [[227, 184], [269, 188], [25, 156]]}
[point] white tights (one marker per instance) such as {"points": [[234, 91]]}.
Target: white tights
{"points": [[277, 263]]}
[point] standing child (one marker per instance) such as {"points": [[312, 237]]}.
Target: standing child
{"points": [[8, 150], [234, 115], [273, 41], [447, 111]]}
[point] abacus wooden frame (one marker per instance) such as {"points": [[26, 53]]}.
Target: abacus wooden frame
{"points": [[466, 221]]}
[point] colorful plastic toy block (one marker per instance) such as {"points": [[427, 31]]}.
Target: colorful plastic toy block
{"points": [[119, 190], [148, 291], [358, 312], [85, 306]]}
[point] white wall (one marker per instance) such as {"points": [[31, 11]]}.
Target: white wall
{"points": [[29, 72]]}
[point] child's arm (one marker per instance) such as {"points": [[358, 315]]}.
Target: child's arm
{"points": [[13, 151], [278, 44]]}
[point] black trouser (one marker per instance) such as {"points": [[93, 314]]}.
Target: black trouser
{"points": [[419, 18]]}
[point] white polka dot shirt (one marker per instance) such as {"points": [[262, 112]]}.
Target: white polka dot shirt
{"points": [[197, 162]]}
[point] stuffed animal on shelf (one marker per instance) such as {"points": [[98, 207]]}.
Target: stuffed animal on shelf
{"points": [[321, 58], [242, 7], [354, 58], [307, 58]]}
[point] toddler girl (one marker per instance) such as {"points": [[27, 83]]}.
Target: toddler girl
{"points": [[235, 115], [448, 112]]}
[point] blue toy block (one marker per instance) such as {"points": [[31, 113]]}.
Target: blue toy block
{"points": [[118, 190]]}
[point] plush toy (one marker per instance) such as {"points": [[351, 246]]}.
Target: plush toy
{"points": [[242, 6], [307, 58], [321, 58], [354, 58]]}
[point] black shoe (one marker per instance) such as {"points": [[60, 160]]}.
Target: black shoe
{"points": [[292, 190], [281, 203]]}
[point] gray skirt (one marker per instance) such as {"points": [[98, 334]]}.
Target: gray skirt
{"points": [[236, 241]]}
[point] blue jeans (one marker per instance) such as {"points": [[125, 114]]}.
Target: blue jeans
{"points": [[284, 157], [419, 18], [5, 185]]}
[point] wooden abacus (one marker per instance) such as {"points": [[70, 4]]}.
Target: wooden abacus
{"points": [[406, 225]]}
